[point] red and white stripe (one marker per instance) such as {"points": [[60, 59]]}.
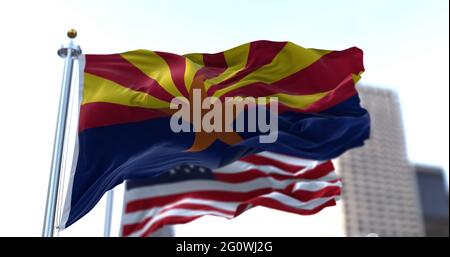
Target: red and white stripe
{"points": [[265, 179]]}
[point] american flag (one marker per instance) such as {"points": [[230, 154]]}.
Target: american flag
{"points": [[188, 192]]}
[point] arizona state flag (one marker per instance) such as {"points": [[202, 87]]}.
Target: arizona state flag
{"points": [[126, 115]]}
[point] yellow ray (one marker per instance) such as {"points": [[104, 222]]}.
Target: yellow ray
{"points": [[155, 67], [299, 101], [196, 58], [236, 59], [291, 59], [293, 101], [356, 77], [191, 70], [98, 89]]}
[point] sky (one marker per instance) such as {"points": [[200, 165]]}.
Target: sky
{"points": [[405, 44]]}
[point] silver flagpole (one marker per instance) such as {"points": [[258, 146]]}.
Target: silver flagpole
{"points": [[69, 52], [108, 213]]}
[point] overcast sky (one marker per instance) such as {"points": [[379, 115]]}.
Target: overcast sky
{"points": [[405, 45]]}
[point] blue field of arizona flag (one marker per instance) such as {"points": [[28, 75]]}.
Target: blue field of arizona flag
{"points": [[124, 124]]}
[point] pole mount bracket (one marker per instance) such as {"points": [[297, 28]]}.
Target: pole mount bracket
{"points": [[74, 49]]}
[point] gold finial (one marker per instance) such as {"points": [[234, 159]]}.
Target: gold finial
{"points": [[72, 33]]}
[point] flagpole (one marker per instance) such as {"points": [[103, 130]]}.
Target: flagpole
{"points": [[108, 213], [69, 52]]}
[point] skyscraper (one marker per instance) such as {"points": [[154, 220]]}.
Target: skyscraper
{"points": [[380, 190], [434, 200]]}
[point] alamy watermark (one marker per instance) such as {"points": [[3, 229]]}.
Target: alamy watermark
{"points": [[210, 114]]}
